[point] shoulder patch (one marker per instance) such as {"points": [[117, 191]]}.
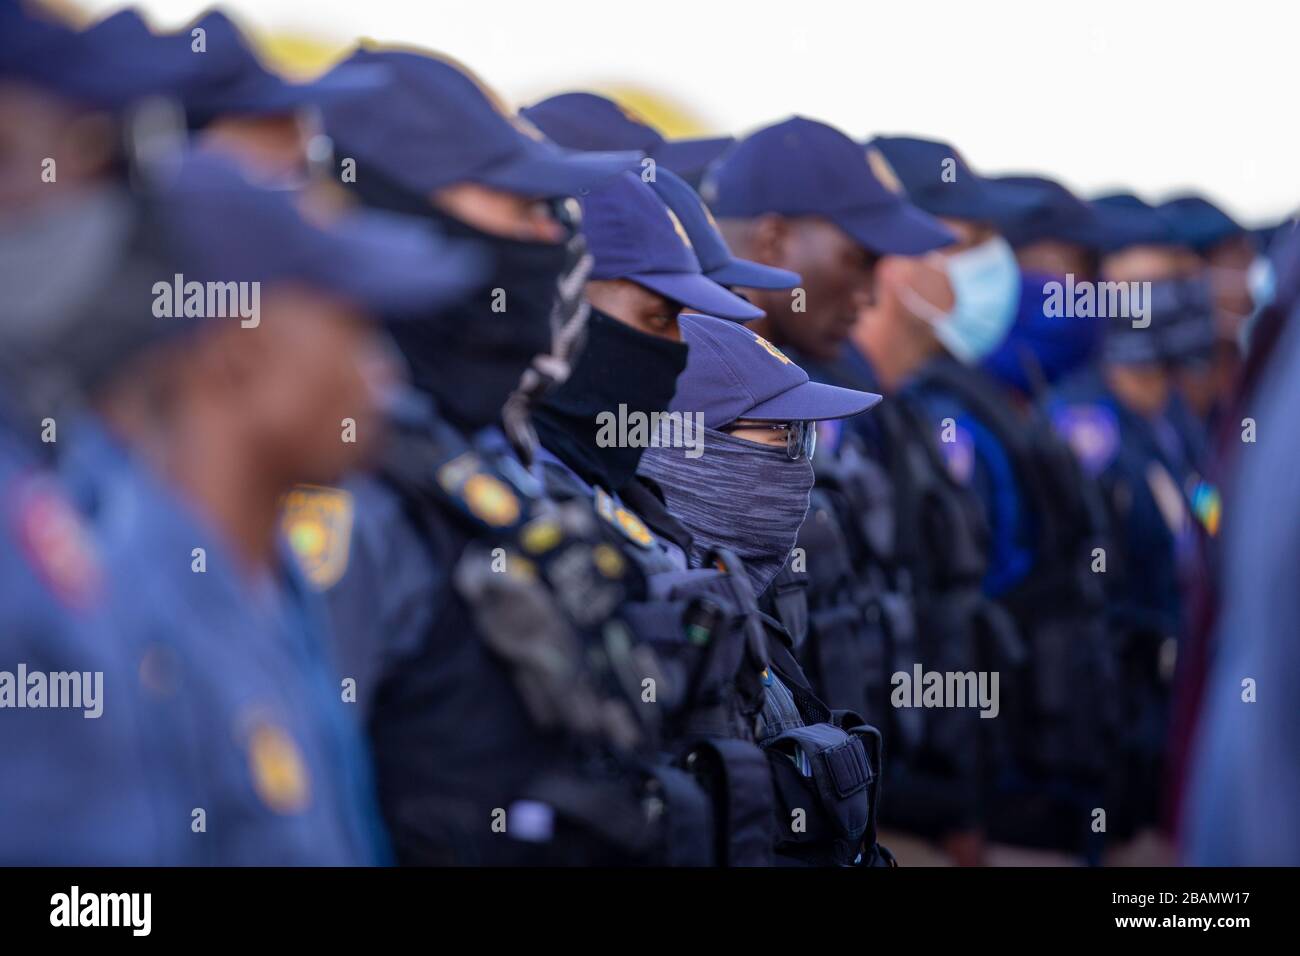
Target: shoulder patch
{"points": [[318, 523], [1207, 505], [1092, 432], [56, 541], [481, 493], [959, 455], [625, 521]]}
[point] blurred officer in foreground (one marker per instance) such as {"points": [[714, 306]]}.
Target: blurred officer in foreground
{"points": [[62, 99], [758, 410], [1241, 804], [232, 103], [71, 782], [590, 122], [228, 727], [202, 420], [480, 621]]}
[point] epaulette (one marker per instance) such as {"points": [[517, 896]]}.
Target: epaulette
{"points": [[623, 520], [479, 492], [434, 466]]}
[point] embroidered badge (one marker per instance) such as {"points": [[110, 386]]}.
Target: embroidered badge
{"points": [[318, 523], [56, 542], [279, 772]]}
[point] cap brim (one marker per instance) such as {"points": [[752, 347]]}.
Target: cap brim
{"points": [[397, 266], [897, 229], [813, 401], [699, 293], [753, 275], [546, 170], [687, 157]]}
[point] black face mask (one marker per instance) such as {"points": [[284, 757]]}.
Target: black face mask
{"points": [[471, 356], [617, 366]]}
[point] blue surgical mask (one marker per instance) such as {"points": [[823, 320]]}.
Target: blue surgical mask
{"points": [[986, 284]]}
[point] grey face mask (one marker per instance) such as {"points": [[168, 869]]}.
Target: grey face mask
{"points": [[739, 495]]}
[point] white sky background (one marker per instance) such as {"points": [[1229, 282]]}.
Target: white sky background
{"points": [[1154, 95]]}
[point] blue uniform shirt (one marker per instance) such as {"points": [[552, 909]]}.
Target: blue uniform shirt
{"points": [[233, 670], [72, 779], [1146, 496]]}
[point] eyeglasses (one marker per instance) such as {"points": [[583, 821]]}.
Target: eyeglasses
{"points": [[800, 437]]}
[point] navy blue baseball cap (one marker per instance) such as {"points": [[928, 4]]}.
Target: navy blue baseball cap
{"points": [[216, 226], [1197, 222], [731, 374], [710, 248], [194, 229], [1124, 220], [433, 124], [106, 67], [800, 167], [588, 121], [1048, 210], [632, 235], [230, 78], [940, 181]]}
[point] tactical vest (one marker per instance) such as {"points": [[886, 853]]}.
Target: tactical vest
{"points": [[541, 586], [908, 551], [791, 781], [1062, 702]]}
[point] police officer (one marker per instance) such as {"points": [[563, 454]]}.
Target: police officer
{"points": [[879, 476], [589, 121], [1054, 234], [202, 420], [1211, 306], [478, 619], [72, 790], [982, 272], [70, 777], [757, 410]]}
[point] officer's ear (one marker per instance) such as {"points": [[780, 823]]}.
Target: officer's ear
{"points": [[769, 238]]}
